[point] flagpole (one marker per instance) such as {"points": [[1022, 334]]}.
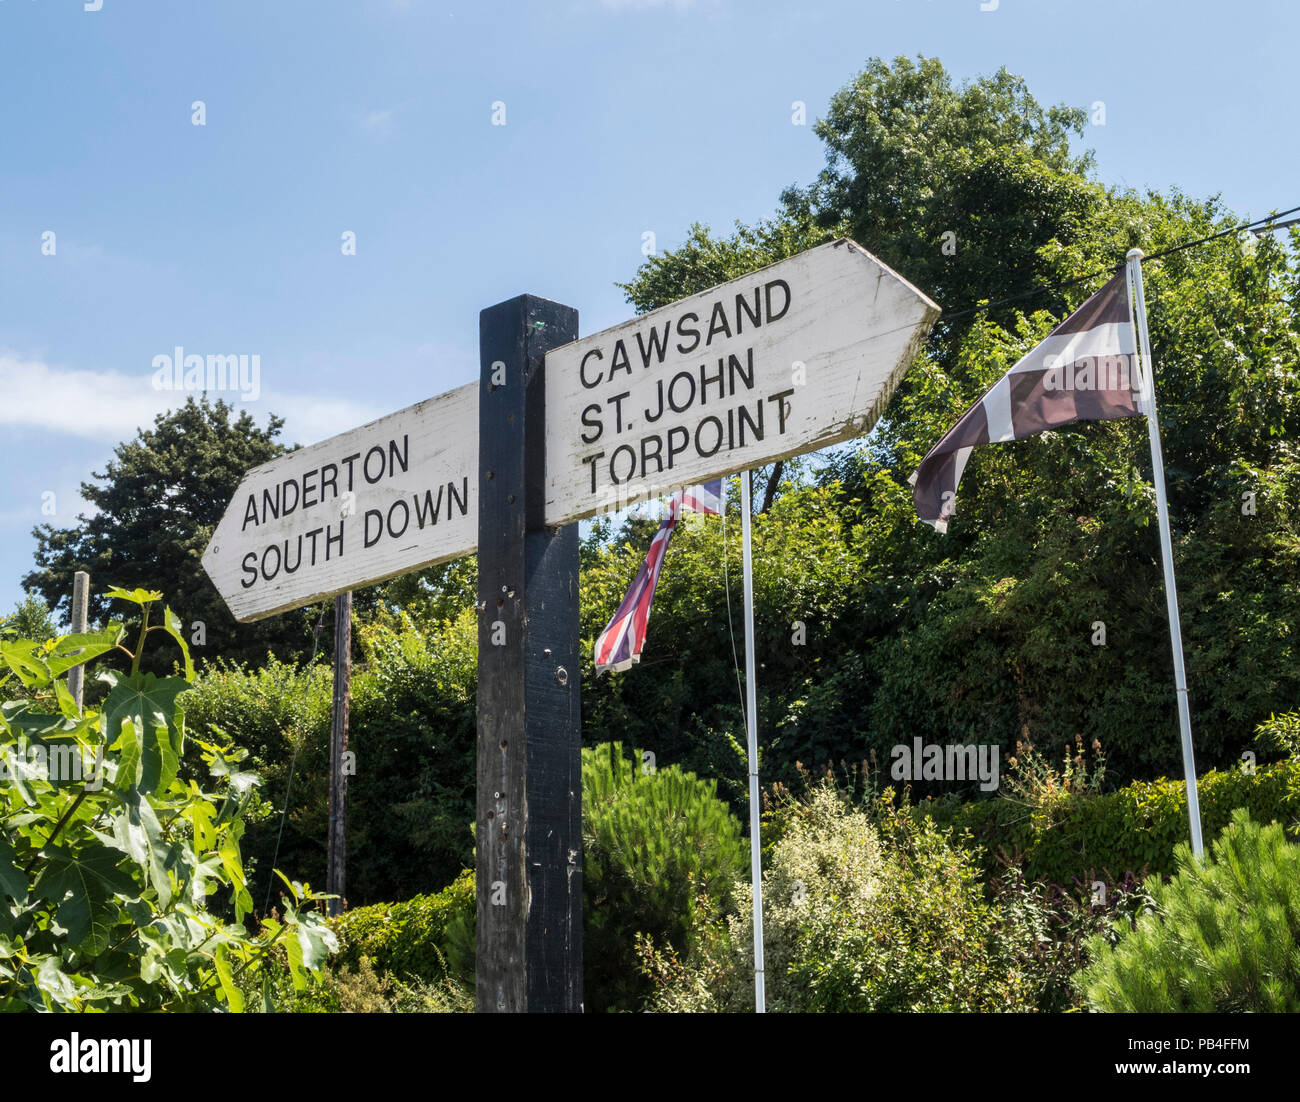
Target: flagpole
{"points": [[1138, 308], [751, 727]]}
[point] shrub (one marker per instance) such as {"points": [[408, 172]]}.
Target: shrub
{"points": [[344, 989], [280, 715], [856, 918], [1068, 837], [111, 886], [1223, 935], [427, 937], [654, 841], [410, 807]]}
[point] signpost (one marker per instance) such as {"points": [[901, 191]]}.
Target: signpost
{"points": [[384, 499], [795, 357], [791, 358]]}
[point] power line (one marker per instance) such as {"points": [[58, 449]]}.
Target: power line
{"points": [[1267, 223]]}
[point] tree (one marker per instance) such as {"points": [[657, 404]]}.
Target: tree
{"points": [[987, 633], [1224, 936], [156, 505], [30, 619]]}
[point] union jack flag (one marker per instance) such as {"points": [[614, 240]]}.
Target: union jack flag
{"points": [[619, 645]]}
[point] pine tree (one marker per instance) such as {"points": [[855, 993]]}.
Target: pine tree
{"points": [[1223, 935]]}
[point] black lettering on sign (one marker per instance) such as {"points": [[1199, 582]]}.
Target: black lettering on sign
{"points": [[684, 330], [427, 513], [767, 298], [658, 345], [619, 362], [593, 353], [718, 323]]}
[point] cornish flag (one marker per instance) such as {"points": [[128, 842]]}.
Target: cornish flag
{"points": [[619, 645], [1084, 370]]}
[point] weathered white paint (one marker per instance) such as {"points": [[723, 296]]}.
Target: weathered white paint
{"points": [[412, 518], [852, 323]]}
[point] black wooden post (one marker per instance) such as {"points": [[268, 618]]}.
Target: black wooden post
{"points": [[529, 829]]}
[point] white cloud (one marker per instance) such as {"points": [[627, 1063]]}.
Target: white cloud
{"points": [[99, 405], [379, 122], [109, 406]]}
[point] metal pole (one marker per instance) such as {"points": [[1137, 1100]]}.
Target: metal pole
{"points": [[337, 858], [1138, 306], [80, 612], [751, 726]]}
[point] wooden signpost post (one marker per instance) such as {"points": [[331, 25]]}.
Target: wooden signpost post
{"points": [[795, 357]]}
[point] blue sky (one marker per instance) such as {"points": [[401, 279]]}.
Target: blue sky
{"points": [[375, 117]]}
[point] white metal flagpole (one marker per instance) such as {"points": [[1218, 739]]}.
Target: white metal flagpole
{"points": [[751, 726], [1138, 311]]}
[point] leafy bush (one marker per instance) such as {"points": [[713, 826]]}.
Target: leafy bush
{"points": [[427, 937], [411, 805], [345, 989], [1224, 935], [411, 801], [654, 841], [857, 917], [108, 885], [1136, 829], [279, 714]]}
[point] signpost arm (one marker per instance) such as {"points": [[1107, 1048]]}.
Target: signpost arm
{"points": [[337, 860], [529, 773]]}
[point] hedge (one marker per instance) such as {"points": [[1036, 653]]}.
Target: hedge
{"points": [[1135, 829]]}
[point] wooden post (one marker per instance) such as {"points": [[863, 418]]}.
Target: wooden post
{"points": [[337, 859], [80, 614], [529, 810]]}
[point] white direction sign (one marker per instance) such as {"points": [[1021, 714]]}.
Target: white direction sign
{"points": [[384, 499], [793, 357]]}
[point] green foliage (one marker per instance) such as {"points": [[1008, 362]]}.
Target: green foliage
{"points": [[910, 157], [411, 726], [1281, 733], [655, 840], [986, 634], [857, 917], [411, 804], [428, 937], [360, 989], [155, 507], [30, 619], [1069, 838], [280, 715], [112, 868], [1224, 935]]}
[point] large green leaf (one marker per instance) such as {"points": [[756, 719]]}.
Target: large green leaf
{"points": [[38, 664], [172, 626], [234, 997], [136, 831], [144, 723], [82, 883]]}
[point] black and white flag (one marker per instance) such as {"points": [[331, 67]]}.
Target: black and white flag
{"points": [[1084, 370]]}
